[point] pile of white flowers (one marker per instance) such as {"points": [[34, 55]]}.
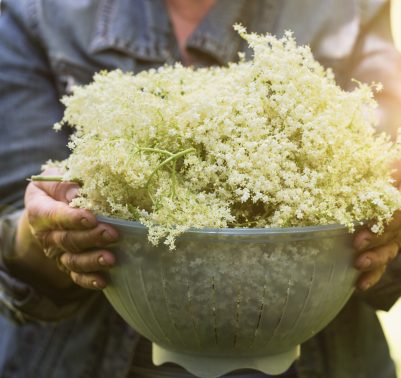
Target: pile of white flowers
{"points": [[271, 142]]}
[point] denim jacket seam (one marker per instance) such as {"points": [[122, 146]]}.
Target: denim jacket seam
{"points": [[102, 24], [104, 20], [32, 17]]}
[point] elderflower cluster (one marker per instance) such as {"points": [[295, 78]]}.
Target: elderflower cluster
{"points": [[270, 142]]}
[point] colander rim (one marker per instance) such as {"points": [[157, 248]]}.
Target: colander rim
{"points": [[240, 231]]}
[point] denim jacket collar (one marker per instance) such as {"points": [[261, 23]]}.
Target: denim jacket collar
{"points": [[215, 35], [120, 26]]}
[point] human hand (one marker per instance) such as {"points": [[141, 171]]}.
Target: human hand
{"points": [[376, 251], [69, 235]]}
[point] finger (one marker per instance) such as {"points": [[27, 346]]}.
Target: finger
{"points": [[52, 251], [45, 213], [366, 239], [371, 278], [94, 281], [395, 224], [76, 241], [61, 266], [362, 239], [87, 262], [61, 191], [376, 258]]}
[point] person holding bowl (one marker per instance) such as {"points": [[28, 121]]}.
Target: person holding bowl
{"points": [[51, 318]]}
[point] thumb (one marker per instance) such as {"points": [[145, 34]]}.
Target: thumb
{"points": [[71, 192], [63, 191]]}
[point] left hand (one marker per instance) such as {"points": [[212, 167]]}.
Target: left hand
{"points": [[376, 251]]}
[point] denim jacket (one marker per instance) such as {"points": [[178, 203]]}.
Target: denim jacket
{"points": [[46, 46]]}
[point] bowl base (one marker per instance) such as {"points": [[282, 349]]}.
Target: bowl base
{"points": [[213, 367]]}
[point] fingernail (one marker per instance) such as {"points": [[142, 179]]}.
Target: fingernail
{"points": [[364, 244], [107, 236], [365, 286], [364, 263], [98, 285], [102, 261], [86, 223], [71, 194]]}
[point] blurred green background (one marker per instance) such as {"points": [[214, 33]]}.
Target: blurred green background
{"points": [[391, 322]]}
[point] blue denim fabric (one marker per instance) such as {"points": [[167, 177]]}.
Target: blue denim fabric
{"points": [[46, 46]]}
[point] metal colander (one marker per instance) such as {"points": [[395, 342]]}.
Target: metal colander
{"points": [[227, 299]]}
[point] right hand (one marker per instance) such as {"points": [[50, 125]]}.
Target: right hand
{"points": [[50, 227]]}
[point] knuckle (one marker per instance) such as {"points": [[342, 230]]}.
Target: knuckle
{"points": [[73, 245], [44, 238], [72, 263], [48, 241], [47, 252], [67, 243], [61, 265], [62, 240], [51, 252], [70, 243]]}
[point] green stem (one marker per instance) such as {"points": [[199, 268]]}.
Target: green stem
{"points": [[53, 179], [147, 149], [174, 179], [171, 158], [46, 178]]}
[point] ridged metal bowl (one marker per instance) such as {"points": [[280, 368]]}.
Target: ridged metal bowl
{"points": [[231, 298]]}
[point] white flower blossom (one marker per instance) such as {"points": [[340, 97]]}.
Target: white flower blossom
{"points": [[270, 142]]}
